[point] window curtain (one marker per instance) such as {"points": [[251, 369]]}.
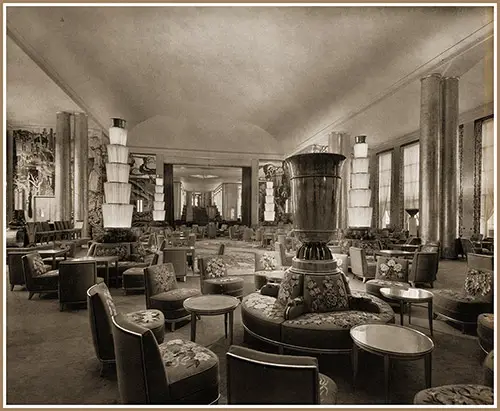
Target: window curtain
{"points": [[487, 177], [411, 177], [384, 187]]}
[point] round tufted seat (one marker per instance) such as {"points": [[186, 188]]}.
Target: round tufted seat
{"points": [[458, 306], [151, 319], [459, 394], [486, 331], [133, 279]]}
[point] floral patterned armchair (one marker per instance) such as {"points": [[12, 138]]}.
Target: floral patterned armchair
{"points": [[214, 278], [391, 272]]}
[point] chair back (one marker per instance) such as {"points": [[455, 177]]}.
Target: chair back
{"points": [[178, 257], [75, 278], [206, 265], [392, 269], [413, 241], [255, 377], [258, 234], [191, 240], [480, 262], [479, 277], [247, 234], [33, 266], [15, 264], [259, 254], [359, 265], [158, 279], [424, 267], [101, 309], [279, 247], [139, 367], [467, 246]]}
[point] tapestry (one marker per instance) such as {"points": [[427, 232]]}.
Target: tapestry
{"points": [[142, 165], [97, 176], [275, 172], [143, 179]]}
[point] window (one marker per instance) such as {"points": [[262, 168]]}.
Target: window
{"points": [[384, 189], [487, 222], [411, 178], [217, 198]]}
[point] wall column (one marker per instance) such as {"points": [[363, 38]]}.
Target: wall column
{"points": [[11, 158], [63, 166], [430, 136], [80, 184], [397, 202], [255, 192], [340, 143], [449, 169]]}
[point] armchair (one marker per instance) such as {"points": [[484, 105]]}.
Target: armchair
{"points": [[102, 309], [133, 278], [424, 267], [360, 267], [38, 276], [469, 248], [214, 278], [294, 379], [15, 264], [162, 293], [390, 272], [174, 372], [178, 258]]}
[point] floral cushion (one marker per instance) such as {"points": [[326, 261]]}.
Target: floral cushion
{"points": [[387, 283], [266, 306], [459, 394], [341, 319], [395, 269], [176, 294], [268, 262], [38, 267], [290, 287], [161, 278], [215, 268], [120, 250], [459, 295], [478, 283], [325, 293], [147, 318]]}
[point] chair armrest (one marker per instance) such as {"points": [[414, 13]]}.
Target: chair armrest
{"points": [[270, 290], [295, 308]]}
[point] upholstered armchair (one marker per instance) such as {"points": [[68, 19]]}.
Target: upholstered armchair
{"points": [[133, 278], [75, 278], [38, 276], [163, 294], [15, 264], [390, 272], [469, 248], [255, 377], [360, 266], [214, 278], [423, 268], [101, 308], [463, 306], [174, 372], [264, 260], [178, 258], [284, 259]]}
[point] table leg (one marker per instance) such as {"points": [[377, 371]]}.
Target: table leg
{"points": [[402, 310], [193, 327], [225, 325], [54, 266], [354, 359], [106, 279], [409, 313], [431, 315], [231, 320], [116, 273], [428, 370], [386, 377]]}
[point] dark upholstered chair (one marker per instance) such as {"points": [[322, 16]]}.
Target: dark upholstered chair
{"points": [[15, 264], [463, 306], [178, 258], [424, 268], [386, 275], [101, 309], [218, 282], [38, 276], [133, 278], [163, 294], [255, 377], [360, 267], [469, 248], [75, 278], [175, 372]]}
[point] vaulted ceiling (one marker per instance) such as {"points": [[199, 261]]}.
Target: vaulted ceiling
{"points": [[243, 79]]}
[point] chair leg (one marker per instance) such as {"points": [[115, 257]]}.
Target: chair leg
{"points": [[172, 327], [12, 287], [30, 295]]}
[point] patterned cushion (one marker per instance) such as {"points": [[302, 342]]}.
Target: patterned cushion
{"points": [[265, 305], [478, 283], [327, 390], [215, 268], [173, 299], [459, 295], [395, 269], [162, 278], [459, 394], [290, 287], [325, 293], [39, 266], [120, 250], [146, 318], [134, 271]]}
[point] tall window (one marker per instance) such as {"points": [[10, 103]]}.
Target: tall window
{"points": [[487, 179], [217, 198], [411, 178], [384, 189]]}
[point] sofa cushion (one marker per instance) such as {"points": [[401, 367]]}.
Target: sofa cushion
{"points": [[486, 330], [152, 320], [395, 269], [122, 251], [291, 287], [325, 293], [224, 285], [39, 267], [263, 315], [374, 286], [458, 305]]}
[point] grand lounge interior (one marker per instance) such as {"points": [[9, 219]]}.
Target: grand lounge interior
{"points": [[222, 205]]}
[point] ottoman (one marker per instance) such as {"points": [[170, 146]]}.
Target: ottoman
{"points": [[457, 394], [486, 331], [133, 279], [489, 369]]}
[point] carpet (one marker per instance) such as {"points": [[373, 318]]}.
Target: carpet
{"points": [[51, 360]]}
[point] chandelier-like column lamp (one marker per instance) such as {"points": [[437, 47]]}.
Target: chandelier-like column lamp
{"points": [[159, 203]]}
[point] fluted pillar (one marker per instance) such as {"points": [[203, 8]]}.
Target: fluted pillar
{"points": [[63, 166], [339, 142], [430, 142], [449, 225], [255, 191], [80, 173]]}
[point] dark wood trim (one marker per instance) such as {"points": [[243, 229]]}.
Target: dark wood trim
{"points": [[246, 196], [168, 182]]}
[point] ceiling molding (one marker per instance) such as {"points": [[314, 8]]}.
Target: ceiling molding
{"points": [[51, 72], [442, 60]]}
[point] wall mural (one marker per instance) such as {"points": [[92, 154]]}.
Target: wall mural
{"points": [[142, 178], [275, 172], [34, 168], [97, 175]]}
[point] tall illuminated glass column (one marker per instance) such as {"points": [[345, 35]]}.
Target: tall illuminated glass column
{"points": [[117, 210], [269, 212], [359, 210], [159, 203]]}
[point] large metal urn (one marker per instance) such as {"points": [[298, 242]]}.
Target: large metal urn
{"points": [[315, 188]]}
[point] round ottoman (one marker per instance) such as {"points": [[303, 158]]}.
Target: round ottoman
{"points": [[457, 394], [485, 331], [153, 320], [133, 279], [489, 369]]}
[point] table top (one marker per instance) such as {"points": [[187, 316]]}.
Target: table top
{"points": [[407, 294], [51, 252], [391, 339], [394, 253], [101, 258], [211, 304]]}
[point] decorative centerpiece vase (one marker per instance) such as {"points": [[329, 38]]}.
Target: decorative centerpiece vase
{"points": [[315, 186]]}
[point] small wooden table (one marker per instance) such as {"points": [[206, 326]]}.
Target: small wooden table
{"points": [[104, 260], [212, 304], [54, 253], [409, 296], [392, 341], [395, 253]]}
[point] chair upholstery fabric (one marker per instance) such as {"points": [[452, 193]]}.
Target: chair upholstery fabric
{"points": [[222, 284], [15, 264], [486, 331], [489, 369], [424, 268], [175, 372], [294, 379], [360, 267], [458, 394], [39, 280], [283, 259], [133, 278], [178, 258]]}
